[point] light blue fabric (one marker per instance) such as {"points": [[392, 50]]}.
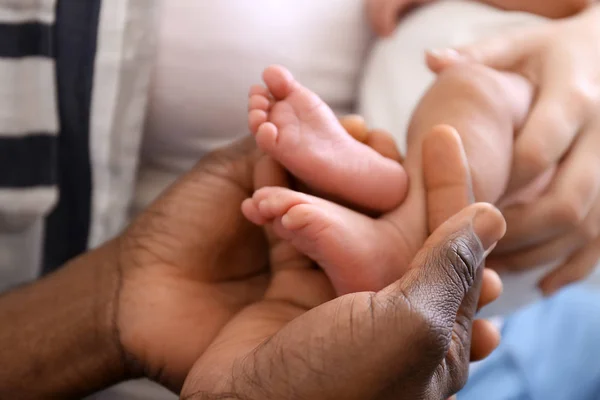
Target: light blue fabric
{"points": [[549, 351]]}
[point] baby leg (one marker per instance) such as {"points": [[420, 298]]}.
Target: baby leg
{"points": [[297, 129]]}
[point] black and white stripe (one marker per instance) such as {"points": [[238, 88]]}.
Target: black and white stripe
{"points": [[47, 54], [25, 39], [75, 36], [28, 110]]}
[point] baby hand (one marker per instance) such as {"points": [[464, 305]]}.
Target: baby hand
{"points": [[384, 14]]}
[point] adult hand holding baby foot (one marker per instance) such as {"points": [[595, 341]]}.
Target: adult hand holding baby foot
{"points": [[188, 284], [412, 338], [357, 252], [562, 132]]}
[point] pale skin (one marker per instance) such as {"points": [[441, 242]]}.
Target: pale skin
{"points": [[353, 178], [560, 58], [341, 240]]}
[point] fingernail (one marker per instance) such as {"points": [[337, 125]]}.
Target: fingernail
{"points": [[489, 226], [489, 251], [447, 53]]}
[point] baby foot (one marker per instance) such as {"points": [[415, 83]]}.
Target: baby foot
{"points": [[340, 240], [295, 127]]}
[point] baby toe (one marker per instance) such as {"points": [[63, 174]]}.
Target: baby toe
{"points": [[255, 119]]}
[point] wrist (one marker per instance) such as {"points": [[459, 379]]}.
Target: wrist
{"points": [[97, 277], [103, 270], [62, 335]]}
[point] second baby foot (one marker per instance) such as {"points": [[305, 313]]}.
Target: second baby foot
{"points": [[295, 127], [340, 240]]}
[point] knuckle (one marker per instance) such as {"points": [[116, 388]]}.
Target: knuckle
{"points": [[429, 333], [581, 96], [589, 230], [533, 156], [456, 262], [461, 255], [432, 336], [568, 212], [459, 372]]}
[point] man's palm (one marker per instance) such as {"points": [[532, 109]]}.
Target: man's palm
{"points": [[199, 262]]}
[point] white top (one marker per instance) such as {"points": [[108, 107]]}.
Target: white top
{"points": [[211, 51]]}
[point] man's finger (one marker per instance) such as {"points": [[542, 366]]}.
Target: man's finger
{"points": [[446, 175], [442, 288], [485, 339], [443, 272], [235, 161], [356, 127], [269, 172], [403, 330], [491, 288], [379, 140], [289, 268], [384, 143]]}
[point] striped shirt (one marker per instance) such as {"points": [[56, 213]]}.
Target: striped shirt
{"points": [[73, 87]]}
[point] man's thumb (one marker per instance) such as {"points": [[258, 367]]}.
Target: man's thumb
{"points": [[444, 271], [403, 332]]}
